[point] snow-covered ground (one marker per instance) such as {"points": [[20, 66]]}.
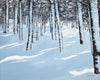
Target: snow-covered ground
{"points": [[44, 61]]}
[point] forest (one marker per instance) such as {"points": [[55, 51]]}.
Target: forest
{"points": [[32, 19]]}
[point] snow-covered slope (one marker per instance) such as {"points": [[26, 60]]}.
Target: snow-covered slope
{"points": [[44, 61]]}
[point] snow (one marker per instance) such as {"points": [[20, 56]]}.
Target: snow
{"points": [[72, 56], [77, 73], [44, 61]]}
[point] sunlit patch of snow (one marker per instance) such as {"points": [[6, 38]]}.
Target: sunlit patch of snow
{"points": [[25, 57], [10, 30], [68, 31], [17, 58], [11, 45], [72, 56], [47, 33], [70, 43], [6, 35], [8, 45], [66, 58], [19, 61], [1, 31], [46, 50], [84, 52], [19, 44], [40, 62], [66, 34], [77, 73], [11, 20]]}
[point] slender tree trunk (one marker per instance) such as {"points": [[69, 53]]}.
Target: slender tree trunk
{"points": [[91, 44], [58, 25], [31, 25], [41, 26], [44, 26], [37, 25], [20, 24], [4, 26], [80, 22], [32, 36], [99, 11], [15, 18], [53, 19], [52, 28], [19, 19], [6, 17], [94, 19], [55, 28], [30, 22]]}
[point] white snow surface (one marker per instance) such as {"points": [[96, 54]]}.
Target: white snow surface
{"points": [[44, 61]]}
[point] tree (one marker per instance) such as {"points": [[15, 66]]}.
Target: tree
{"points": [[15, 28], [94, 31], [6, 16], [80, 22]]}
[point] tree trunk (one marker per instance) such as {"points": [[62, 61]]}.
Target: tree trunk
{"points": [[53, 20], [6, 17], [4, 26], [15, 17], [80, 22], [99, 11], [31, 26], [94, 21], [30, 22], [58, 25], [20, 20]]}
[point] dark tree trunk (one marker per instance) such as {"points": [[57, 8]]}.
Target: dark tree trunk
{"points": [[6, 26], [80, 22]]}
